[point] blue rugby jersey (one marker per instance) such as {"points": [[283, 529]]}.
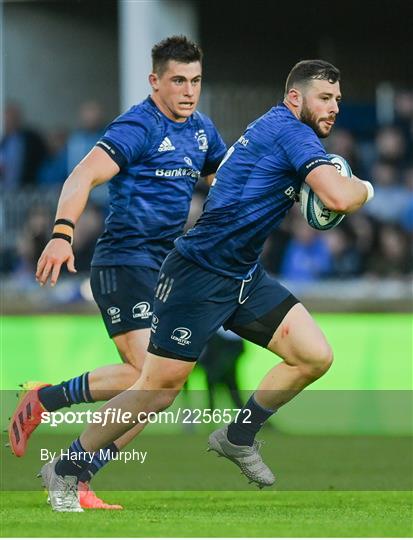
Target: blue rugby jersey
{"points": [[160, 161], [256, 184]]}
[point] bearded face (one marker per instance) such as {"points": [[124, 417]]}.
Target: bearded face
{"points": [[321, 122], [319, 105]]}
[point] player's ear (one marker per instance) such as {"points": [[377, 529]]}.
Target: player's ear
{"points": [[154, 81], [294, 97]]}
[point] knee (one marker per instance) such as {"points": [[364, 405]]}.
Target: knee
{"points": [[162, 399], [133, 359], [134, 363], [131, 373], [159, 390], [318, 363], [132, 347]]}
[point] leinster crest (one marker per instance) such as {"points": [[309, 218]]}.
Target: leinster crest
{"points": [[202, 140]]}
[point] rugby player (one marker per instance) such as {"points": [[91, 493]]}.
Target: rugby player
{"points": [[213, 278], [153, 154]]}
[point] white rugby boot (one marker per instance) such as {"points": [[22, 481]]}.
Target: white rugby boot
{"points": [[62, 490], [247, 458]]}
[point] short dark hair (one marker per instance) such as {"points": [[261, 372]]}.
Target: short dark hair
{"points": [[178, 48], [308, 70]]}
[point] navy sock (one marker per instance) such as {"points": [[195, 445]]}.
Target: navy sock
{"points": [[74, 461], [66, 393], [249, 421], [100, 459]]}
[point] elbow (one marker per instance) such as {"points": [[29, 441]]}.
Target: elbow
{"points": [[93, 183], [83, 176]]}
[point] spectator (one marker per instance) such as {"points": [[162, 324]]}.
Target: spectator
{"points": [[22, 150], [363, 232], [65, 152], [53, 171], [343, 143], [391, 147], [403, 108], [274, 250], [82, 140], [307, 257], [390, 195], [406, 218], [391, 259], [35, 235], [365, 243], [346, 259]]}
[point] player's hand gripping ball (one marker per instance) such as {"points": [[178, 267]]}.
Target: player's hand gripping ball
{"points": [[317, 215]]}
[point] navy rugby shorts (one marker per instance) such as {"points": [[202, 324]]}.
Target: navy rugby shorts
{"points": [[191, 303], [124, 295]]}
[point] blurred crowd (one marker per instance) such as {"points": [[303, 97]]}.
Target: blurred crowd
{"points": [[375, 241]]}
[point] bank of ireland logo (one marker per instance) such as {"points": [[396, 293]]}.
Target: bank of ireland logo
{"points": [[202, 140], [188, 161], [181, 335], [114, 313], [291, 194], [141, 310]]}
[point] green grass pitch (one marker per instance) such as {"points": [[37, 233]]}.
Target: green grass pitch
{"points": [[217, 514]]}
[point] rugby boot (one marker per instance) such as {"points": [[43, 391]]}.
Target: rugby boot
{"points": [[89, 499], [247, 458], [62, 490], [26, 417]]}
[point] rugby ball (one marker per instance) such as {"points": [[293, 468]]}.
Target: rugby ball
{"points": [[317, 215]]}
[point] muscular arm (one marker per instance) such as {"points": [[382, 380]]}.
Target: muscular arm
{"points": [[337, 192], [96, 168]]}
